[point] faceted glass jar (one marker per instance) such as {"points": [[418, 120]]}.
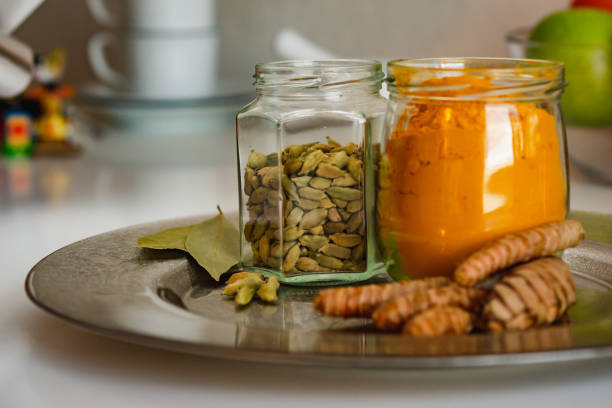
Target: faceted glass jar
{"points": [[472, 149], [306, 183]]}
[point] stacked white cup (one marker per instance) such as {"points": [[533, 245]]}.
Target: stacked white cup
{"points": [[167, 49]]}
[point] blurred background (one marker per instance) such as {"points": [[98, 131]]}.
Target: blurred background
{"points": [[348, 28], [131, 117]]}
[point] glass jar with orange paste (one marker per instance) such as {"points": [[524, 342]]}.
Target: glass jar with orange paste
{"points": [[473, 148]]}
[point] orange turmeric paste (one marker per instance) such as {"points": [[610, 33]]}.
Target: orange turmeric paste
{"points": [[458, 173]]}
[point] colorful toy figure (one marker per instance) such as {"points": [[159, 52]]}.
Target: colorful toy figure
{"points": [[17, 133], [52, 125]]}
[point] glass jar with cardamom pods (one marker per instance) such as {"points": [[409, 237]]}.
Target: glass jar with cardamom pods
{"points": [[305, 177]]}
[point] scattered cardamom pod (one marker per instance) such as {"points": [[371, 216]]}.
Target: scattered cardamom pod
{"points": [[268, 291], [244, 285]]}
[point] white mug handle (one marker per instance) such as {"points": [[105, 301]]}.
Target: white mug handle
{"points": [[101, 13], [97, 58], [16, 66]]}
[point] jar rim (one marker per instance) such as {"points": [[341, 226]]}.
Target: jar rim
{"points": [[500, 78], [317, 75], [476, 64], [317, 66]]}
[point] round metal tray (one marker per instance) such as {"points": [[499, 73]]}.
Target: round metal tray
{"points": [[163, 299]]}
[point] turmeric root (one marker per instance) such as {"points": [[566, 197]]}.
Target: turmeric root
{"points": [[360, 301], [533, 294], [438, 321], [392, 314], [518, 247]]}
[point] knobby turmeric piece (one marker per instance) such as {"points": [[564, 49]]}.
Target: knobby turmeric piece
{"points": [[360, 301], [392, 314], [533, 294], [518, 247], [438, 321]]}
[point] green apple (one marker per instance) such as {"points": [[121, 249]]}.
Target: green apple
{"points": [[582, 39]]}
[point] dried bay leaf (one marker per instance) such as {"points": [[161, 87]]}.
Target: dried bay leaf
{"points": [[215, 245], [172, 238]]}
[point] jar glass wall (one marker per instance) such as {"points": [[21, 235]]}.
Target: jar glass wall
{"points": [[472, 149], [305, 212]]}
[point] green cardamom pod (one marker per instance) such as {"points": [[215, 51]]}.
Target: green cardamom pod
{"points": [[358, 252], [346, 240], [339, 159], [311, 161], [354, 222], [345, 193], [333, 215], [334, 227], [301, 181], [336, 251], [289, 188], [310, 193], [329, 261], [313, 242], [307, 204], [354, 206], [354, 167], [345, 181], [307, 264], [313, 218], [294, 217], [256, 160], [329, 171], [268, 290], [258, 195], [291, 258], [320, 183], [246, 291]]}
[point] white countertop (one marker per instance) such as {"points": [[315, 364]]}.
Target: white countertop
{"points": [[129, 179]]}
